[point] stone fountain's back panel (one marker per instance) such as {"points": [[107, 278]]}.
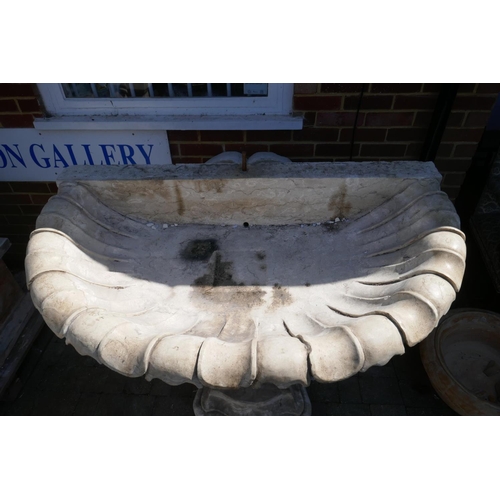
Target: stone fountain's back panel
{"points": [[268, 193]]}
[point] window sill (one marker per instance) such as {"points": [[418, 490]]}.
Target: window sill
{"points": [[256, 122]]}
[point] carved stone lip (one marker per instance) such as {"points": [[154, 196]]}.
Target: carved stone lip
{"points": [[236, 280]]}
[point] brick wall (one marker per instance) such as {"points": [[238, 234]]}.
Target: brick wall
{"points": [[20, 202], [392, 125], [19, 105]]}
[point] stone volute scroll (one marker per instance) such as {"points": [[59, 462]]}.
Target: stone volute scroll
{"points": [[247, 284]]}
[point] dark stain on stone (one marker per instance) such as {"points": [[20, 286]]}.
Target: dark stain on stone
{"points": [[261, 255], [281, 296], [239, 296], [180, 202], [219, 274], [308, 284], [218, 285], [206, 185], [199, 249], [338, 203]]}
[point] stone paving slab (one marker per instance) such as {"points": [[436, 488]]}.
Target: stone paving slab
{"points": [[61, 382]]}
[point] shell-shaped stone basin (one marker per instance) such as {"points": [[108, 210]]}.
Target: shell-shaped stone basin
{"points": [[228, 279]]}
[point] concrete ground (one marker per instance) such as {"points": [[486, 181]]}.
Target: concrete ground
{"points": [[55, 380]]}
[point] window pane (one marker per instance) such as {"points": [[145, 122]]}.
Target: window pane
{"points": [[158, 90]]}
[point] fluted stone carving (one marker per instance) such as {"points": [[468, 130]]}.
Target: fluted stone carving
{"points": [[229, 279]]}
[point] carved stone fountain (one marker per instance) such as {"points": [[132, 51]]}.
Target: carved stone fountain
{"points": [[246, 284]]}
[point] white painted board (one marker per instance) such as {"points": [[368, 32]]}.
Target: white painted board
{"points": [[35, 155]]}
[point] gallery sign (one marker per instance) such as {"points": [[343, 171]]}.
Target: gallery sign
{"points": [[33, 155]]}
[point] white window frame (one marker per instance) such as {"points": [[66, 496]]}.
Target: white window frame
{"points": [[273, 111]]}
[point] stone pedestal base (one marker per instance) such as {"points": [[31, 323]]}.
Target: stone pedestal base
{"points": [[266, 400]]}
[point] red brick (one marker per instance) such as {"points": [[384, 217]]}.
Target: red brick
{"points": [[31, 209], [363, 134], [200, 149], [451, 191], [8, 106], [292, 150], [18, 220], [29, 105], [40, 199], [464, 150], [444, 150], [16, 90], [336, 149], [455, 119], [338, 119], [399, 119], [399, 88], [474, 102], [453, 179], [11, 209], [422, 119], [16, 121], [316, 134], [174, 149], [432, 87], [383, 150], [222, 135], [305, 88], [462, 135], [29, 187], [186, 159], [448, 165], [15, 199], [341, 88], [488, 88], [309, 119], [316, 103], [183, 135], [413, 151], [368, 102], [477, 119], [268, 135], [406, 134], [415, 102], [249, 149], [466, 88], [5, 187]]}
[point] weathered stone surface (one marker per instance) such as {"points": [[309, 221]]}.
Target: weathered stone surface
{"points": [[152, 271], [268, 193], [267, 400]]}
